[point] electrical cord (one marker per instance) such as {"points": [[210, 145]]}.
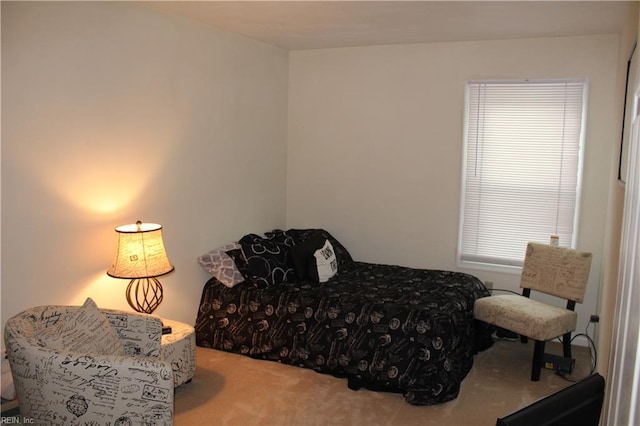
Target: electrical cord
{"points": [[593, 352]]}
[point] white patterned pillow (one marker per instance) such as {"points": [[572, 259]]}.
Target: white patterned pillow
{"points": [[326, 262], [219, 264], [86, 330]]}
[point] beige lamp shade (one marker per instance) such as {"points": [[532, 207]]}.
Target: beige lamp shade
{"points": [[140, 252]]}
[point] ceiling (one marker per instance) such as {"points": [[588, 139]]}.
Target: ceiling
{"points": [[295, 25]]}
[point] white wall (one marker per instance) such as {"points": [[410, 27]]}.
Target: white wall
{"points": [[611, 261], [620, 303], [113, 112], [375, 143]]}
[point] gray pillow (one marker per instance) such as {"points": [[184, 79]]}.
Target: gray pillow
{"points": [[219, 264]]}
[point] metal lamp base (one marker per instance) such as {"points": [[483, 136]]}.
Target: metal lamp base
{"points": [[144, 295]]}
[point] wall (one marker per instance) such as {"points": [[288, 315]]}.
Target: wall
{"points": [[375, 143], [619, 339], [113, 112], [624, 375], [615, 203]]}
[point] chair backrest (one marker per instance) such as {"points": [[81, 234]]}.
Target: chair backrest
{"points": [[558, 271], [28, 324], [140, 333]]}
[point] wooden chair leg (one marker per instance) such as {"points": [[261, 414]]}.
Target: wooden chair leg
{"points": [[538, 359], [566, 345]]}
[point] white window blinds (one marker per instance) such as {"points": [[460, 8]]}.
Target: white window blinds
{"points": [[522, 168]]}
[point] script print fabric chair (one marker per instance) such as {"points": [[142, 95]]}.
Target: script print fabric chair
{"points": [[557, 271], [81, 365]]}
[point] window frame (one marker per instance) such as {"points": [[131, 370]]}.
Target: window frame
{"points": [[508, 266]]}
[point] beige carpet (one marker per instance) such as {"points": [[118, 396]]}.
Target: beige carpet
{"points": [[230, 390]]}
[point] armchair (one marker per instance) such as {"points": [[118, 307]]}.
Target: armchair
{"points": [[60, 382], [556, 271]]}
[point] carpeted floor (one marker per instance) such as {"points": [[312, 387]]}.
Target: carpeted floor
{"points": [[234, 390]]}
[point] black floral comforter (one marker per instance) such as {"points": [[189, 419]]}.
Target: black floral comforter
{"points": [[383, 327]]}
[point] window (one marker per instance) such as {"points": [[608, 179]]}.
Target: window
{"points": [[522, 167]]}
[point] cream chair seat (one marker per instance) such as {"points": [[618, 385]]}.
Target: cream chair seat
{"points": [[81, 365], [557, 271]]}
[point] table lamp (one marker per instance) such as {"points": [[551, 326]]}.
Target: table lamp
{"points": [[141, 256]]}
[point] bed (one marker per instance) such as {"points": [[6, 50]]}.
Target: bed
{"points": [[382, 327]]}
